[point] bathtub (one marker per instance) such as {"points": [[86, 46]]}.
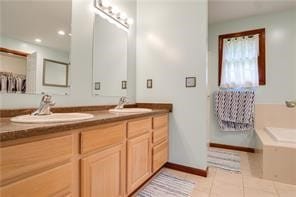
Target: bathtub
{"points": [[282, 134], [278, 154]]}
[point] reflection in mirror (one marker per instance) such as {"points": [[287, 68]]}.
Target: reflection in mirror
{"points": [[43, 33], [109, 59], [55, 73]]}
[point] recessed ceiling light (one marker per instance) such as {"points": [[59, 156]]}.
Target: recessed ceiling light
{"points": [[69, 34], [61, 32], [38, 40]]}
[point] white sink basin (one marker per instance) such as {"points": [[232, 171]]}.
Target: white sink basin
{"points": [[130, 110], [55, 117]]}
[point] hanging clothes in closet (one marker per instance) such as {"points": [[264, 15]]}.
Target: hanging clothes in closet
{"points": [[12, 83]]}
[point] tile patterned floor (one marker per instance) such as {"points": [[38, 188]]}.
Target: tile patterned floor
{"points": [[248, 183]]}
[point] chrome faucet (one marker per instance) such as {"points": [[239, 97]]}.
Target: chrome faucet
{"points": [[45, 104], [291, 104], [122, 101]]}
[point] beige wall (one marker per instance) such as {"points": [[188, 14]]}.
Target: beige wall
{"points": [[274, 115]]}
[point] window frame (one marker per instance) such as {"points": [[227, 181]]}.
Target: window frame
{"points": [[261, 57]]}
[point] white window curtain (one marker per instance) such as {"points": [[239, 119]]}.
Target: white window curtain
{"points": [[240, 62]]}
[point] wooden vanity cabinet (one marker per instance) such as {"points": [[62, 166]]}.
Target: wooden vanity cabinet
{"points": [[108, 160], [103, 173], [103, 170], [37, 168], [160, 142], [52, 182], [138, 153], [138, 161]]}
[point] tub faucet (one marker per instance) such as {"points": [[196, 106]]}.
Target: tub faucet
{"points": [[122, 101], [291, 104], [45, 104]]}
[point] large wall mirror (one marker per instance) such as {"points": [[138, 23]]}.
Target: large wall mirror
{"points": [[35, 39], [109, 59]]}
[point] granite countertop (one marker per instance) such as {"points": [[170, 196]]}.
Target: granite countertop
{"points": [[12, 131]]}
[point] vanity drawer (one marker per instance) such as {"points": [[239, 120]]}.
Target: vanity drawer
{"points": [[102, 136], [160, 121], [160, 155], [159, 135], [54, 182], [138, 127], [21, 160]]}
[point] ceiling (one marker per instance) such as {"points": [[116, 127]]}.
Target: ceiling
{"points": [[27, 20], [224, 10]]}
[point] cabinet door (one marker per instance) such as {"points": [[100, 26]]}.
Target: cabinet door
{"points": [[103, 173], [54, 182], [35, 156], [160, 155], [138, 161]]}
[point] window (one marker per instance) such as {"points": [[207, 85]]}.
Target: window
{"points": [[242, 59]]}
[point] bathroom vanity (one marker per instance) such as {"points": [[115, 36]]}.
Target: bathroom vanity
{"points": [[108, 155]]}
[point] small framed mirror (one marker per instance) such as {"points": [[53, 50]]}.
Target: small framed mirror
{"points": [[55, 73]]}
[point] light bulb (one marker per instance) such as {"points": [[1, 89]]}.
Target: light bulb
{"points": [[61, 32], [123, 16], [38, 40], [106, 3], [115, 10], [130, 21]]}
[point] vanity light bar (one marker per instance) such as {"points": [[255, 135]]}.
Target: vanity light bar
{"points": [[113, 12]]}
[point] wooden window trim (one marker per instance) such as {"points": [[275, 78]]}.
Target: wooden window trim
{"points": [[261, 57], [14, 52]]}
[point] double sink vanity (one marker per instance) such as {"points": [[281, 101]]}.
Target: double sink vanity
{"points": [[75, 151], [109, 153]]}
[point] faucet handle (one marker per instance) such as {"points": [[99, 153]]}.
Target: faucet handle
{"points": [[47, 99], [123, 99], [291, 104]]}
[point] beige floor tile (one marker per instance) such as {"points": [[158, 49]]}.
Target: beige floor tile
{"points": [[245, 165], [253, 156], [221, 195], [285, 190], [197, 193], [286, 193], [224, 189], [284, 186], [197, 179], [248, 183], [202, 184], [251, 192], [244, 155], [257, 183], [211, 172], [226, 177], [252, 172]]}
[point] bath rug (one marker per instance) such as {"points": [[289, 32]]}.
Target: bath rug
{"points": [[224, 159], [167, 185]]}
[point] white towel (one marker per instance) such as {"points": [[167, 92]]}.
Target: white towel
{"points": [[235, 109]]}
